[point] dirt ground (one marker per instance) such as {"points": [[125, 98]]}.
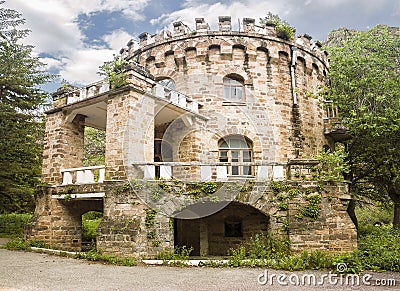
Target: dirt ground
{"points": [[33, 271]]}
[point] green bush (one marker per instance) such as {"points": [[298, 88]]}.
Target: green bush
{"points": [[24, 245], [179, 253], [12, 225], [90, 223], [380, 249], [370, 215], [94, 255]]}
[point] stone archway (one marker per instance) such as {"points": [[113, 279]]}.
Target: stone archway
{"points": [[215, 234]]}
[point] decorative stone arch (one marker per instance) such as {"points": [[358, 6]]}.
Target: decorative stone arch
{"points": [[165, 72]]}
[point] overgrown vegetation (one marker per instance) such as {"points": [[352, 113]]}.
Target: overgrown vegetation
{"points": [[364, 77], [115, 72], [94, 255], [283, 29], [12, 225], [90, 223]]}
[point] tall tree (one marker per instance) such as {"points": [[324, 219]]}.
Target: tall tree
{"points": [[21, 127], [365, 85]]}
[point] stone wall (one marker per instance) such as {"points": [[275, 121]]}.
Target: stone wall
{"points": [[58, 222], [197, 64]]}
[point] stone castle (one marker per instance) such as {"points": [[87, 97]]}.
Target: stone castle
{"points": [[207, 142]]}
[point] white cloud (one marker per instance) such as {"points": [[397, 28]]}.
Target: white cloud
{"points": [[117, 39], [82, 66], [236, 9]]}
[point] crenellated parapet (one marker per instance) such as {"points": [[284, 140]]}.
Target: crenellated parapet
{"points": [[261, 37]]}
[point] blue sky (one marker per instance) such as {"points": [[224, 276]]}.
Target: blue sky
{"points": [[75, 37]]}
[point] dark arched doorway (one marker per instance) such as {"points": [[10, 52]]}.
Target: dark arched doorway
{"points": [[214, 235]]}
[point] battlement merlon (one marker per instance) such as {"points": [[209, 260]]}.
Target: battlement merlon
{"points": [[248, 27]]}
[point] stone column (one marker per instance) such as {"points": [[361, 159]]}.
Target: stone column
{"points": [[129, 134], [63, 145]]}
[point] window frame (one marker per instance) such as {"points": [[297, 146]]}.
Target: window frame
{"points": [[233, 84], [225, 155]]}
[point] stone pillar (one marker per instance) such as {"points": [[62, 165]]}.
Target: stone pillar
{"points": [[225, 23], [203, 237], [201, 25], [129, 133], [248, 24], [63, 145]]}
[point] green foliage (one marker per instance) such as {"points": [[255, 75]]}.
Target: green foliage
{"points": [[312, 209], [283, 29], [21, 127], [209, 187], [332, 165], [364, 73], [380, 249], [283, 206], [12, 225], [90, 223], [94, 255], [94, 147], [20, 244], [179, 253], [115, 72], [276, 187], [369, 216], [150, 218]]}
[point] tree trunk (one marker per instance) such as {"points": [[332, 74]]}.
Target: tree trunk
{"points": [[396, 217], [350, 210]]}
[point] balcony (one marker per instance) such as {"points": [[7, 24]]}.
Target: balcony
{"points": [[333, 128]]}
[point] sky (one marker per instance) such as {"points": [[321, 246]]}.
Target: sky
{"points": [[73, 38]]}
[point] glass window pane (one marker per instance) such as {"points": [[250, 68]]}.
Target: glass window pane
{"points": [[246, 170], [235, 156], [235, 170], [246, 156], [234, 143], [224, 145]]}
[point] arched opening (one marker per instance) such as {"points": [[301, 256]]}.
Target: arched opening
{"points": [[216, 234], [236, 149], [234, 87]]}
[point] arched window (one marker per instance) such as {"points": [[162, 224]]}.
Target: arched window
{"points": [[236, 149], [234, 87]]}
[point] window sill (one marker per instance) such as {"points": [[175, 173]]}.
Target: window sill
{"points": [[234, 103]]}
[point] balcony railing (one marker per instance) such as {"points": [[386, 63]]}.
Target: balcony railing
{"points": [[261, 171], [176, 98], [88, 91], [84, 175]]}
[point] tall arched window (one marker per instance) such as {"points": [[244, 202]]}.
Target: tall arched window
{"points": [[234, 87], [236, 149]]}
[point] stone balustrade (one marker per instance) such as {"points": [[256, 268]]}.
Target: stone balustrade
{"points": [[294, 170], [83, 175], [176, 98]]}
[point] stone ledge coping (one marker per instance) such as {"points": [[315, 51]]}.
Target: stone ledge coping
{"points": [[184, 262], [53, 252], [79, 195]]}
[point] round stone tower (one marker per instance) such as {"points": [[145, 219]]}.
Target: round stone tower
{"points": [[250, 83]]}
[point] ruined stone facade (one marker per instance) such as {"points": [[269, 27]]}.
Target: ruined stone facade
{"points": [[208, 125]]}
